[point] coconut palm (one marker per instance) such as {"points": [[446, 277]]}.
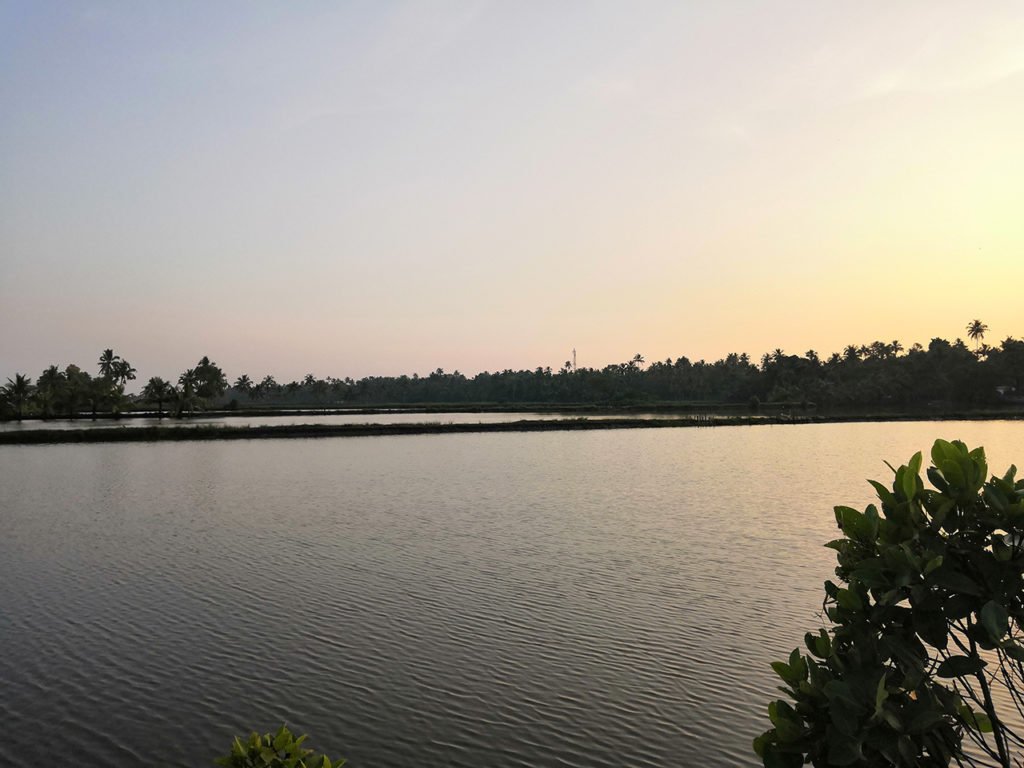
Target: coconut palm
{"points": [[976, 331], [77, 383], [243, 384], [123, 372], [185, 393], [99, 392], [17, 392], [157, 391], [108, 363], [210, 381], [49, 389], [268, 386]]}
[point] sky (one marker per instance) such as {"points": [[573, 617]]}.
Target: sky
{"points": [[372, 188]]}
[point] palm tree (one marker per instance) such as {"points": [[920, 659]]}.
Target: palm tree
{"points": [[210, 381], [157, 391], [123, 372], [49, 388], [267, 387], [98, 392], [243, 384], [976, 330], [108, 363], [17, 392], [185, 392], [77, 383]]}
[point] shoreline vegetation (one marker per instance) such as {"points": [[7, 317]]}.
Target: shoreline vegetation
{"points": [[292, 431], [881, 377]]}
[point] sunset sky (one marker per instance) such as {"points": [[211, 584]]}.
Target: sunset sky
{"points": [[370, 188]]}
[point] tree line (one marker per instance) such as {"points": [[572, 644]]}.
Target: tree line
{"points": [[877, 374], [71, 392]]}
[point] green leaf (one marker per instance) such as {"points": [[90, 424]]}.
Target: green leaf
{"points": [[881, 694], [762, 742], [909, 478], [819, 644], [774, 758], [850, 600], [908, 750], [924, 719], [842, 749], [995, 620], [884, 494], [786, 721], [955, 580], [960, 666], [856, 525], [931, 627], [282, 739], [782, 669], [1014, 651]]}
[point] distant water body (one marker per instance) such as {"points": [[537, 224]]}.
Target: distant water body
{"points": [[529, 599], [290, 419]]}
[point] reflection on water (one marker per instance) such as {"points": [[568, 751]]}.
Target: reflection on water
{"points": [[581, 599], [329, 418]]}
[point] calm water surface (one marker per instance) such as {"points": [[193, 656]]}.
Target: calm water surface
{"points": [[548, 599], [332, 418]]}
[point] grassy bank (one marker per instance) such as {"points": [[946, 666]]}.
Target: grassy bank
{"points": [[211, 432]]}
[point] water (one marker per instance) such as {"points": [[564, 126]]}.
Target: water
{"points": [[289, 419], [530, 599]]}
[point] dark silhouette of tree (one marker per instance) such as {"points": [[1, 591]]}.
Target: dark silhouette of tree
{"points": [[244, 385], [158, 391], [98, 392], [210, 381], [123, 373], [108, 361], [77, 383], [49, 390], [268, 386], [185, 397], [877, 374], [17, 393], [976, 331]]}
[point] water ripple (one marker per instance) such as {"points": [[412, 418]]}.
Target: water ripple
{"points": [[549, 599]]}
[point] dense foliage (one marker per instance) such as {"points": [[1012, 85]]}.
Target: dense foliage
{"points": [[877, 374], [872, 375], [71, 391], [925, 647], [279, 750]]}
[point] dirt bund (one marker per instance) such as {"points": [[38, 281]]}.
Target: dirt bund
{"points": [[293, 431]]}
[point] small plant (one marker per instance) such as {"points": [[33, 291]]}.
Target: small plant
{"points": [[926, 626], [280, 750]]}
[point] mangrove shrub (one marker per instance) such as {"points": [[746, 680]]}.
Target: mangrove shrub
{"points": [[924, 653], [278, 750]]}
